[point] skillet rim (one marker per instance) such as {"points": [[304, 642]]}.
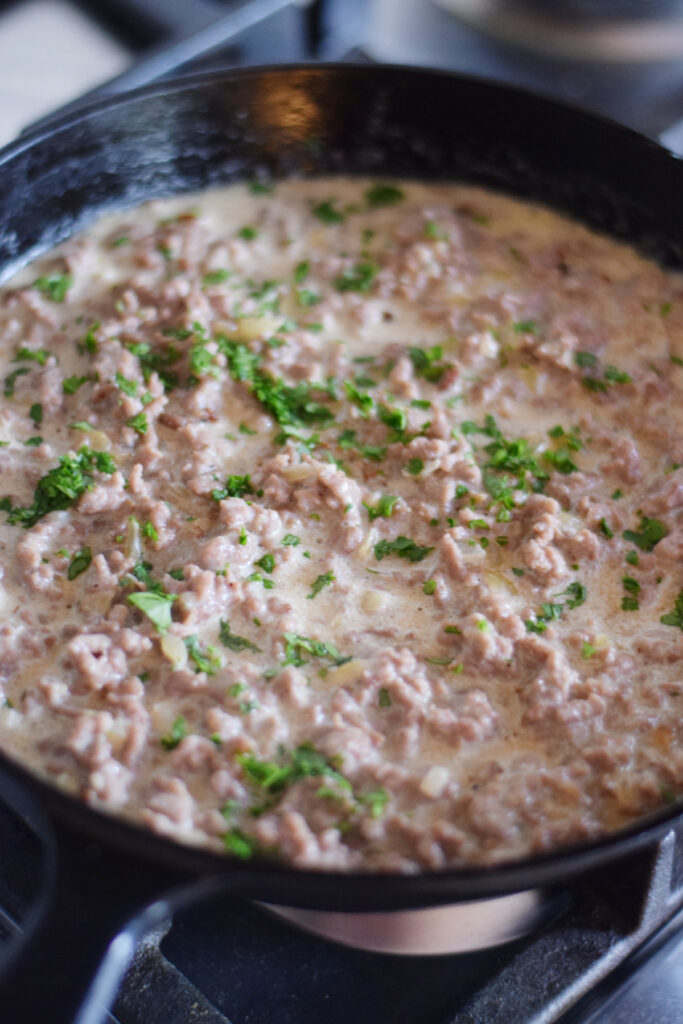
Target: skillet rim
{"points": [[378, 889]]}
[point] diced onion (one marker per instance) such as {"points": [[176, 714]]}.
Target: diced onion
{"points": [[435, 781], [300, 472], [346, 673], [373, 600], [132, 545], [251, 327], [173, 648]]}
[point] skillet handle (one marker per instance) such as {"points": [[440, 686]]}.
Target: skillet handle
{"points": [[96, 905]]}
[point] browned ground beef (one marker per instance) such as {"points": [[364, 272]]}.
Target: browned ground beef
{"points": [[343, 522]]}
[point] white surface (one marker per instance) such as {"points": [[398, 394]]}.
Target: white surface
{"points": [[50, 52]]}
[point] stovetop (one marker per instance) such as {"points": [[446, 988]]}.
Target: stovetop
{"points": [[612, 947]]}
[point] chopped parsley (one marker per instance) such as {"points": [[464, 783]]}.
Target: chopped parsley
{"points": [[415, 466], [235, 642], [587, 650], [301, 763], [649, 533], [266, 562], [37, 355], [426, 362], [290, 540], [63, 485], [402, 547], [301, 271], [525, 327], [240, 845], [149, 531], [605, 528], [138, 423], [428, 587], [384, 507], [54, 286], [156, 605], [36, 413], [359, 278], [296, 646], [324, 580], [675, 618], [248, 233], [376, 800], [383, 195], [129, 387], [79, 563], [178, 732], [70, 385], [576, 593], [208, 661], [328, 213], [215, 277], [235, 487], [11, 380]]}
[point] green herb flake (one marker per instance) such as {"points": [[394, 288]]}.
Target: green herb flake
{"points": [[324, 580], [585, 359], [33, 442], [138, 423], [208, 661], [648, 535], [70, 385], [632, 558], [36, 413], [675, 618], [384, 698], [415, 466], [266, 562], [11, 380], [587, 650], [428, 587], [54, 286], [525, 327], [426, 363], [383, 195], [376, 800], [402, 547], [290, 540], [235, 642], [384, 507], [63, 485], [239, 844], [576, 594], [178, 732], [129, 387], [219, 276], [149, 531], [235, 487], [630, 604], [79, 563], [36, 355], [359, 278], [248, 233], [156, 605], [328, 213]]}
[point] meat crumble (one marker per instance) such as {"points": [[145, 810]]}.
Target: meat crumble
{"points": [[342, 522]]}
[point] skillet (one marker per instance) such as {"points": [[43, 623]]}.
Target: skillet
{"points": [[99, 872]]}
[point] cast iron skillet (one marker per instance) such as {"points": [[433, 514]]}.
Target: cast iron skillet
{"points": [[205, 130]]}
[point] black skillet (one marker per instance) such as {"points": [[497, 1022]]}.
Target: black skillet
{"points": [[101, 873]]}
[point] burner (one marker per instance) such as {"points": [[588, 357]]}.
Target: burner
{"points": [[458, 928], [611, 31]]}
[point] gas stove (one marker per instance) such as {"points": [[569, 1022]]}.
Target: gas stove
{"points": [[606, 947]]}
